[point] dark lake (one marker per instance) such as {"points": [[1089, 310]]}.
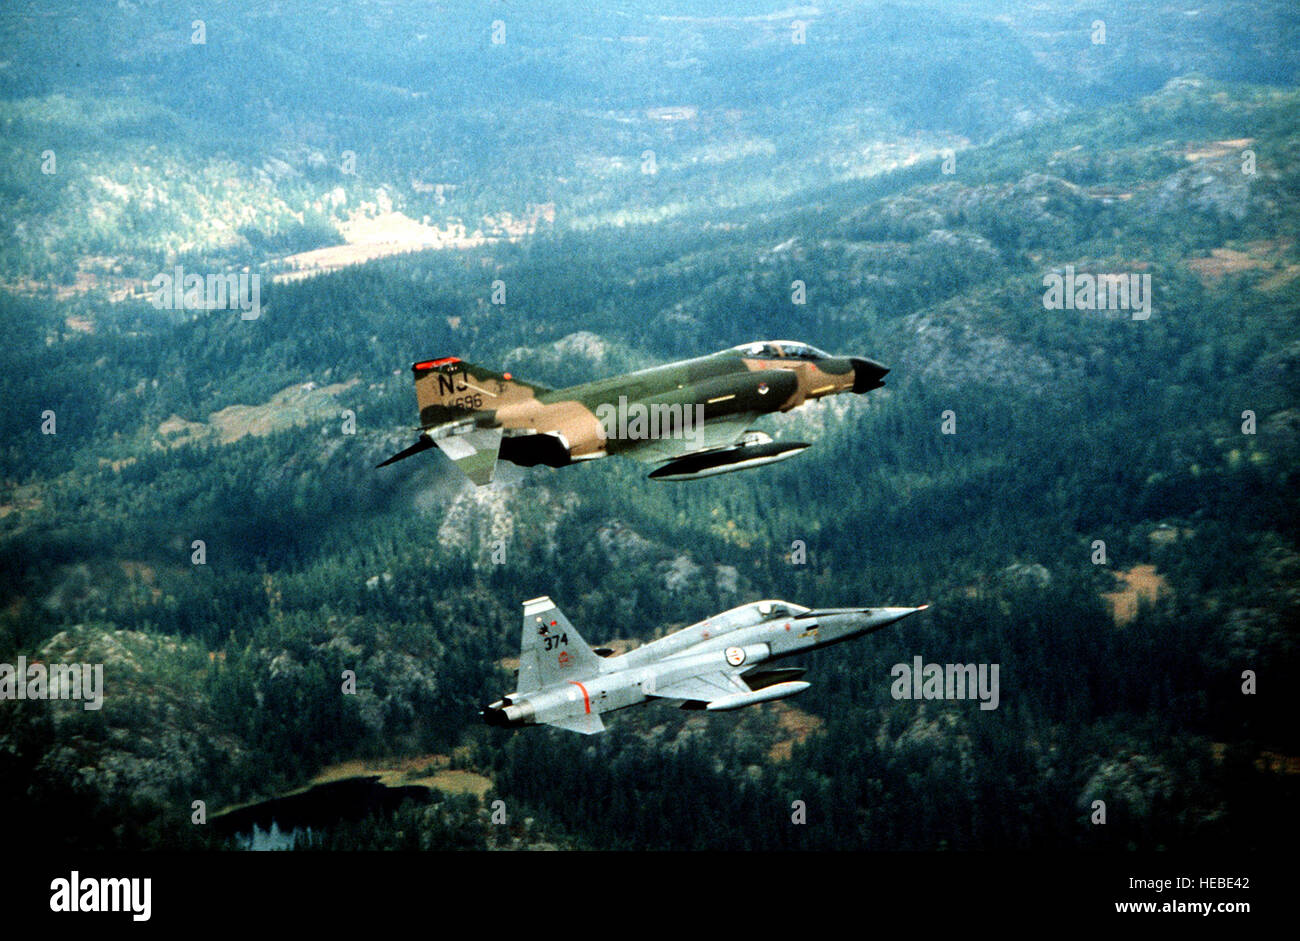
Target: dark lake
{"points": [[275, 824]]}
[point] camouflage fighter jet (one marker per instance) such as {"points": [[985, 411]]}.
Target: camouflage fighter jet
{"points": [[719, 664], [692, 416]]}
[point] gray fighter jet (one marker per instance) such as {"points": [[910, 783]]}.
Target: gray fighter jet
{"points": [[718, 664]]}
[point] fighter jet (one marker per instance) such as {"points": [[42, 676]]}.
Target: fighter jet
{"points": [[692, 417], [719, 664]]}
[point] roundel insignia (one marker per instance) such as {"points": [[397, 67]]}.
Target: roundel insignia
{"points": [[762, 388], [735, 656]]}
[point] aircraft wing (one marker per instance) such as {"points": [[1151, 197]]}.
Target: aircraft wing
{"points": [[718, 433], [706, 687]]}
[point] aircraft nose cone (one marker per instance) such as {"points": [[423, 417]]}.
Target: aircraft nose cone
{"points": [[839, 623], [895, 614], [867, 374], [873, 619]]}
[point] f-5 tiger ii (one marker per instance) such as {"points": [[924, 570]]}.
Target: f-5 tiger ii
{"points": [[691, 417], [721, 663]]}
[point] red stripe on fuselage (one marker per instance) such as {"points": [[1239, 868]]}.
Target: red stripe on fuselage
{"points": [[586, 699]]}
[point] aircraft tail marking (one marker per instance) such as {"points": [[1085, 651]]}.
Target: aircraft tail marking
{"points": [[552, 651], [449, 389]]}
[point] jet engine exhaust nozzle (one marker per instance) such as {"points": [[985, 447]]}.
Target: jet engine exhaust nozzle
{"points": [[506, 716]]}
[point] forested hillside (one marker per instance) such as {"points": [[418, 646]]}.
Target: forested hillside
{"points": [[1070, 427], [1101, 500]]}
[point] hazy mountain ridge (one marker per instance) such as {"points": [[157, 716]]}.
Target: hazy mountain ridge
{"points": [[174, 152]]}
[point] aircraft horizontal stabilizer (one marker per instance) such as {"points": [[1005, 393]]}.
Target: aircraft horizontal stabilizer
{"points": [[475, 453], [424, 444], [588, 724]]}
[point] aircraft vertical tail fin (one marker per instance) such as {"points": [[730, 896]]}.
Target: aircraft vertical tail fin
{"points": [[551, 649], [452, 392], [449, 389]]}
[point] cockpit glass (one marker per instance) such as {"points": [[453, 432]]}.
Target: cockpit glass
{"points": [[802, 351], [779, 609], [754, 612], [782, 349]]}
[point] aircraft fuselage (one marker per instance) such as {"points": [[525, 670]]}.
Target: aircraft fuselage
{"points": [[732, 644]]}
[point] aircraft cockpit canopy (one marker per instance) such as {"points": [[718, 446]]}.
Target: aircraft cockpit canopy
{"points": [[753, 613], [778, 609], [782, 349]]}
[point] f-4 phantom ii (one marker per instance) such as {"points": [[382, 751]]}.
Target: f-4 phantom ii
{"points": [[692, 416], [718, 664]]}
